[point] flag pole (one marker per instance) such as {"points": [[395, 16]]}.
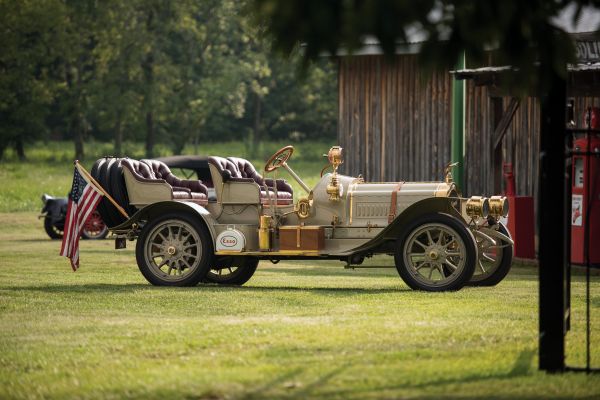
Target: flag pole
{"points": [[101, 189]]}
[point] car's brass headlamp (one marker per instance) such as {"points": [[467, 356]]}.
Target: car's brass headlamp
{"points": [[478, 207], [498, 206]]}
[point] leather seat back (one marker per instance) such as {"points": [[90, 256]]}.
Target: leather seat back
{"points": [[246, 169], [226, 168], [162, 171], [140, 170]]}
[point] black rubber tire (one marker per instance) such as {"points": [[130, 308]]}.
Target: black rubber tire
{"points": [[118, 189], [96, 168], [200, 267], [462, 276], [110, 215], [98, 174], [246, 267], [51, 229], [505, 265]]}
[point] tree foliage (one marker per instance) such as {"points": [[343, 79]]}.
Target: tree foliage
{"points": [[151, 70], [522, 33]]}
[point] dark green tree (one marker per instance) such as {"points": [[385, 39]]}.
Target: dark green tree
{"points": [[26, 90]]}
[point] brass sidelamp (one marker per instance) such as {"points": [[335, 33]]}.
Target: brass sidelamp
{"points": [[334, 190]]}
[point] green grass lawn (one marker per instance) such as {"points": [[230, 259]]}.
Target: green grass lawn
{"points": [[296, 330]]}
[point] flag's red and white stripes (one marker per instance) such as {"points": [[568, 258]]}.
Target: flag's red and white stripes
{"points": [[78, 211]]}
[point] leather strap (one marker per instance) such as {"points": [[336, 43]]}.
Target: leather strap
{"points": [[392, 213]]}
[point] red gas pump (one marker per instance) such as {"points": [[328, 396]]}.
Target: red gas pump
{"points": [[585, 200], [520, 217]]}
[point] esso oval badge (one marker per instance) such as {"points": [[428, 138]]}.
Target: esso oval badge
{"points": [[230, 240]]}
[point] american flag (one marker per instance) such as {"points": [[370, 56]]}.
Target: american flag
{"points": [[83, 199]]}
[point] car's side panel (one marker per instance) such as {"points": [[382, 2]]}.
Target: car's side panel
{"points": [[393, 230]]}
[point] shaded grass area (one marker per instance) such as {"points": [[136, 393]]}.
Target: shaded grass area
{"points": [[49, 168], [296, 330]]}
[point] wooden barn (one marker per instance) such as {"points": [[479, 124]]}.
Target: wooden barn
{"points": [[395, 121]]}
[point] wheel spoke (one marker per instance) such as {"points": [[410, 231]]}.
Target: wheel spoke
{"points": [[481, 267], [431, 266], [187, 264], [185, 238], [424, 246], [450, 242], [429, 237], [420, 265], [158, 254], [164, 261], [440, 268], [164, 239], [487, 258], [440, 238], [448, 263]]}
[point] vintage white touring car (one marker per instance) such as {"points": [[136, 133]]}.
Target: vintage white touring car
{"points": [[439, 240]]}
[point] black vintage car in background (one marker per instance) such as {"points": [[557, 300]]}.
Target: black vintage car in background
{"points": [[54, 210], [54, 213]]}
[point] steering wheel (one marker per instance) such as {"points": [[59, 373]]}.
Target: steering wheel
{"points": [[279, 158]]}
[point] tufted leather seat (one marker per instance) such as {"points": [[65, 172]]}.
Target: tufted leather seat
{"points": [[153, 171], [241, 170]]}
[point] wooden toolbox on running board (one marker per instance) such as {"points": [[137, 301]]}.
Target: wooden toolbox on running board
{"points": [[305, 238]]}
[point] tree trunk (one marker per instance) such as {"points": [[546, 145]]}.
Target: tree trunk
{"points": [[149, 134], [148, 70], [20, 149], [2, 149], [256, 139], [78, 138], [118, 136]]}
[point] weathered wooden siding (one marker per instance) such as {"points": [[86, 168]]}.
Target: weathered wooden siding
{"points": [[520, 145], [394, 125]]}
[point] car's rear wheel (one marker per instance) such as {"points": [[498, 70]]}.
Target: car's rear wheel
{"points": [[232, 271], [174, 250], [436, 253], [493, 262]]}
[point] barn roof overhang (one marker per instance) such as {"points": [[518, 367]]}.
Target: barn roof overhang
{"points": [[583, 78]]}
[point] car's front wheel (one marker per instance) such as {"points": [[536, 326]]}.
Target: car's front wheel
{"points": [[436, 253], [494, 259], [54, 231], [174, 250]]}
